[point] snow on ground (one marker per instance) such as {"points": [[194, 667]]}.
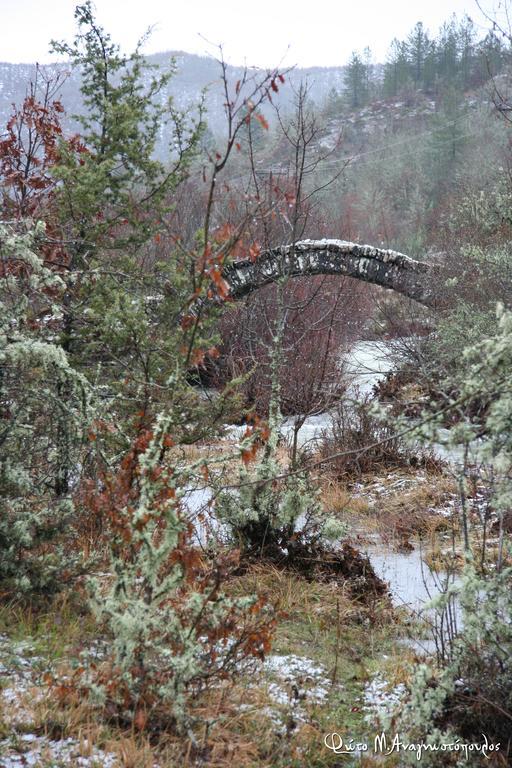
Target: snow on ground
{"points": [[38, 751], [20, 687], [381, 699], [307, 678], [292, 682], [20, 671]]}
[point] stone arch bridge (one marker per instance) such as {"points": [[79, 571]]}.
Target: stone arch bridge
{"points": [[389, 269]]}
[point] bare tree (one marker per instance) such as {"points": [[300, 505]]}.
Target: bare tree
{"points": [[306, 320]]}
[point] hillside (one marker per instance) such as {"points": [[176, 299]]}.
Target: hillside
{"points": [[194, 75]]}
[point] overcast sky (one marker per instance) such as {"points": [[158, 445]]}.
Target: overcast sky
{"points": [[256, 32]]}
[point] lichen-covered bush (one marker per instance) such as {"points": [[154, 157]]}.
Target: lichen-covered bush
{"points": [[469, 699], [174, 631], [274, 512], [43, 403], [469, 696]]}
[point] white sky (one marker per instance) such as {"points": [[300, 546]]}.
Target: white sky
{"points": [[255, 32]]}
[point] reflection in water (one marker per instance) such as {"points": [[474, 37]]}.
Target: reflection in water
{"points": [[411, 583]]}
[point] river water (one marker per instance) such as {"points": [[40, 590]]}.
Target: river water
{"points": [[411, 583]]}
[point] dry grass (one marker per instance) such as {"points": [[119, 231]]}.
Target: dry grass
{"points": [[235, 730], [242, 728], [292, 595], [398, 506], [397, 669], [403, 506], [413, 512], [336, 497], [442, 561], [234, 725], [317, 620]]}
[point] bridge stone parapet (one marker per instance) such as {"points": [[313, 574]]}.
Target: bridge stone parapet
{"points": [[387, 268]]}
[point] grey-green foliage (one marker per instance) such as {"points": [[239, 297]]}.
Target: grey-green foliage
{"points": [[480, 269], [43, 406], [471, 694], [484, 373], [469, 700], [465, 325], [272, 512], [484, 275], [173, 628]]}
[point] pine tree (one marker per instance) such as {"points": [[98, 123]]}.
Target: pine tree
{"points": [[333, 104], [418, 46], [447, 141], [356, 82], [396, 69], [112, 199], [447, 53], [491, 56], [466, 45]]}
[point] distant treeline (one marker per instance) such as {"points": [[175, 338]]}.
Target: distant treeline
{"points": [[455, 57]]}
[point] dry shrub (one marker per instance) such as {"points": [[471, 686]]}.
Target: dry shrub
{"points": [[413, 511], [361, 444], [324, 313], [402, 390], [174, 632]]}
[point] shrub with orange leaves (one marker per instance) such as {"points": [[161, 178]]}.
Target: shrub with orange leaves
{"points": [[174, 631]]}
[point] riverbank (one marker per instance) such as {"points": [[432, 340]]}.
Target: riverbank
{"points": [[340, 657]]}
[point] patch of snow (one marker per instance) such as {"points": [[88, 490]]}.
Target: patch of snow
{"points": [[381, 699], [294, 681], [31, 750], [304, 677]]}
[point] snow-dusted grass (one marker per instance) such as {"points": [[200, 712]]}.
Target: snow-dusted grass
{"points": [[322, 673], [38, 751], [275, 713]]}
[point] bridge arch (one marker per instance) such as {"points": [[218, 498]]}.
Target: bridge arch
{"points": [[386, 268]]}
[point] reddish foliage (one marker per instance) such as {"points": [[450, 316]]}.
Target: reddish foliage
{"points": [[262, 121], [325, 315], [28, 152], [30, 148], [244, 632]]}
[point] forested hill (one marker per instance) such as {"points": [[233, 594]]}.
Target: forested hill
{"points": [[423, 66], [409, 138], [194, 73]]}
